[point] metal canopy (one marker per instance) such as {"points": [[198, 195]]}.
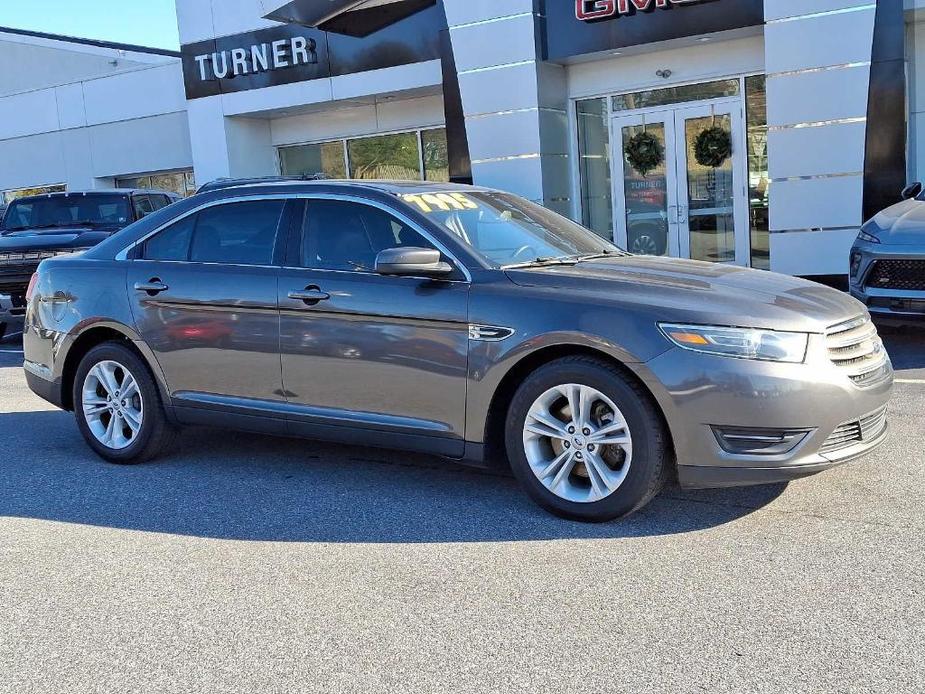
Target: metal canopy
{"points": [[351, 17]]}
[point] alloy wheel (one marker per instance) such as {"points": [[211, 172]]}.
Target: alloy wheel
{"points": [[112, 405], [577, 443]]}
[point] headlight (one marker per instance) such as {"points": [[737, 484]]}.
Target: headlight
{"points": [[743, 343], [869, 238]]}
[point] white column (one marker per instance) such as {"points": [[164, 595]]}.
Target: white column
{"points": [[817, 55], [515, 104]]}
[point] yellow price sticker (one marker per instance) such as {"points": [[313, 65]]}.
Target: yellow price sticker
{"points": [[445, 202]]}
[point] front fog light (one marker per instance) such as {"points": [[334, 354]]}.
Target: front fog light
{"points": [[759, 441], [855, 263]]}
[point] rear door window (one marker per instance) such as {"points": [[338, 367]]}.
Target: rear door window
{"points": [[173, 243], [242, 233]]}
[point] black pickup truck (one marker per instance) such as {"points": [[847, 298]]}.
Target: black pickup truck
{"points": [[43, 226]]}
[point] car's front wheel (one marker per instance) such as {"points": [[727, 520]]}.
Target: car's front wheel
{"points": [[585, 441], [118, 406]]}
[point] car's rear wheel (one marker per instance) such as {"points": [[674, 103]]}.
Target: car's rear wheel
{"points": [[585, 441], [118, 406]]}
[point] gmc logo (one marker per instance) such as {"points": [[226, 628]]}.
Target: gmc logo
{"points": [[586, 10]]}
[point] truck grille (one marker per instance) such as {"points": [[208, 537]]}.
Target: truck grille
{"points": [[855, 347], [867, 428], [905, 275], [20, 258]]}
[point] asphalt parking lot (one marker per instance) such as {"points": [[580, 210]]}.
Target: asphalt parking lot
{"points": [[245, 563]]}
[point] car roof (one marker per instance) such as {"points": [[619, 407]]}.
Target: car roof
{"points": [[348, 185], [90, 193]]}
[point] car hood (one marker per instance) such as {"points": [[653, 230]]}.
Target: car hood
{"points": [[902, 224], [690, 291], [41, 239]]}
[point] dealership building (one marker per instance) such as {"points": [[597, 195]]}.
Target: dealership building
{"points": [[757, 132]]}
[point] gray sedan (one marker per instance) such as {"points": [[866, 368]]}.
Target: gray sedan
{"points": [[459, 321], [888, 261]]}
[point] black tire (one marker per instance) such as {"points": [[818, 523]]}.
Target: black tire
{"points": [[652, 456], [156, 434]]}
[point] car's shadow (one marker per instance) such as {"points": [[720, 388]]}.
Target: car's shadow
{"points": [[246, 487]]}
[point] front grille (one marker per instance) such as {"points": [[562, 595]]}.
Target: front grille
{"points": [[905, 275], [855, 347], [20, 258], [862, 430]]}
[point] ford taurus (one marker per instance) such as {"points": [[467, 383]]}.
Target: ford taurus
{"points": [[458, 321]]}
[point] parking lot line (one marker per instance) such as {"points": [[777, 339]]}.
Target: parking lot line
{"points": [[920, 381]]}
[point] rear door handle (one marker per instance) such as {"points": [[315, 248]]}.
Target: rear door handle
{"points": [[310, 295], [152, 287]]}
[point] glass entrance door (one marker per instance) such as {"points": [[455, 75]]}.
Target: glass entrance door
{"points": [[670, 198]]}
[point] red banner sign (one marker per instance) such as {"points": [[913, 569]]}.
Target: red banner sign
{"points": [[587, 10]]}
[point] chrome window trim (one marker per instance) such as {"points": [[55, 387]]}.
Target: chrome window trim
{"points": [[124, 253]]}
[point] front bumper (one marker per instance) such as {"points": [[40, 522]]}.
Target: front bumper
{"points": [[12, 314], [701, 394], [886, 305]]}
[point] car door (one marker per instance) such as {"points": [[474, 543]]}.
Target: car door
{"points": [[204, 296], [384, 355]]}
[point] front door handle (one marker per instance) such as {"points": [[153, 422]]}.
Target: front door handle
{"points": [[153, 287], [310, 295]]}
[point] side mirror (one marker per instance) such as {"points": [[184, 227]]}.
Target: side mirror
{"points": [[912, 191], [412, 262]]}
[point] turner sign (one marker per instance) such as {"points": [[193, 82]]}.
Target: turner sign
{"points": [[587, 10], [261, 57]]}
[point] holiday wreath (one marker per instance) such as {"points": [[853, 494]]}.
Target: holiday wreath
{"points": [[713, 147]]}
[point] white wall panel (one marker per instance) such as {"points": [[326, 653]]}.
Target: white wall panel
{"points": [[822, 203], [820, 41], [237, 16], [495, 43], [72, 111], [700, 63], [779, 9], [135, 95], [157, 143], [387, 80], [32, 161], [812, 252], [28, 114], [469, 11], [817, 151], [194, 19], [812, 97], [336, 123]]}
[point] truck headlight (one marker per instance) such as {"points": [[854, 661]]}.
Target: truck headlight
{"points": [[742, 343]]}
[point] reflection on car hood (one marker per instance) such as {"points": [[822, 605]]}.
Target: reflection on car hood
{"points": [[40, 239], [900, 225], [686, 290]]}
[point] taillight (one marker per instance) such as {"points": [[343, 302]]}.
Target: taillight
{"points": [[32, 283]]}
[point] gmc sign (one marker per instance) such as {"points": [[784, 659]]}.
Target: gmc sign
{"points": [[588, 10]]}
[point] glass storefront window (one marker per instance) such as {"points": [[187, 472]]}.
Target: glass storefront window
{"points": [[436, 156], [179, 182], [675, 95], [392, 157], [308, 160], [400, 156], [594, 167], [10, 195], [756, 114]]}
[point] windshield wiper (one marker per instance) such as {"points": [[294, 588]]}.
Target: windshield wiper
{"points": [[563, 260]]}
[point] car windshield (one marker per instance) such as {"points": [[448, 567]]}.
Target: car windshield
{"points": [[67, 210], [508, 230]]}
